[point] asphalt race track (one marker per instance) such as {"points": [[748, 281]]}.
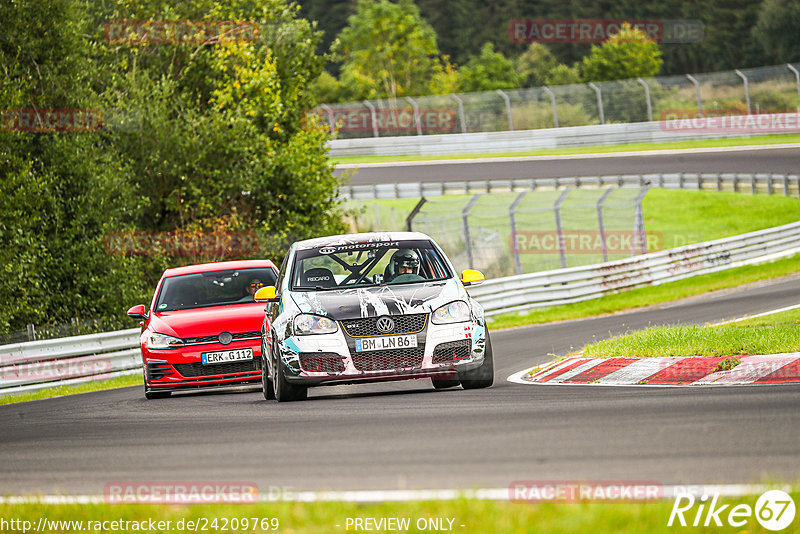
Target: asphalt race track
{"points": [[406, 435], [740, 159]]}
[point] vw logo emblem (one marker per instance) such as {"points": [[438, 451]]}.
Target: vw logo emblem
{"points": [[385, 324], [327, 250], [225, 338]]}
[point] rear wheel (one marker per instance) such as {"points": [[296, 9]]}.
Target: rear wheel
{"points": [[483, 376], [284, 391], [266, 385]]}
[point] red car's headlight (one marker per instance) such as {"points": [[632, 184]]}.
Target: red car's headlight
{"points": [[155, 340]]}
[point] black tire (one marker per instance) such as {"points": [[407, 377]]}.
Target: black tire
{"points": [[444, 383], [149, 394], [266, 384], [284, 391], [483, 376]]}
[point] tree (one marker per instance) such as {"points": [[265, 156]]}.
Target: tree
{"points": [[489, 71], [776, 30], [388, 50], [538, 66], [627, 54]]}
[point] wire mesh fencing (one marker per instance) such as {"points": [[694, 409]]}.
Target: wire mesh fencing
{"points": [[762, 90]]}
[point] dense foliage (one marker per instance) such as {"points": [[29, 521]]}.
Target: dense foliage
{"points": [[736, 34], [198, 137]]}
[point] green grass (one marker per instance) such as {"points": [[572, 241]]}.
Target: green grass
{"points": [[599, 149], [785, 318], [477, 516], [726, 340], [646, 296], [95, 385]]}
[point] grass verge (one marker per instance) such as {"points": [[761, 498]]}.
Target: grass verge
{"points": [[598, 149], [94, 385], [476, 516], [647, 296], [726, 340]]}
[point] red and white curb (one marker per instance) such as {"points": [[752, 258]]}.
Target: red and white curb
{"points": [[671, 371]]}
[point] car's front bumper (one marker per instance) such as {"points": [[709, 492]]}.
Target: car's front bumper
{"points": [[175, 369], [442, 351]]}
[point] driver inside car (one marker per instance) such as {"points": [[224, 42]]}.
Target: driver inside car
{"points": [[405, 264]]}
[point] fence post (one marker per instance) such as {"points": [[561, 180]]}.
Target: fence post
{"points": [[329, 111], [31, 332], [746, 88], [465, 219], [508, 109], [638, 230], [416, 113], [797, 78], [647, 97], [601, 223], [697, 90], [599, 102], [553, 103], [414, 212], [559, 229], [512, 215], [373, 116], [460, 112]]}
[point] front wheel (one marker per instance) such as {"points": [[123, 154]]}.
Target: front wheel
{"points": [[483, 376], [149, 394], [266, 385], [284, 391]]}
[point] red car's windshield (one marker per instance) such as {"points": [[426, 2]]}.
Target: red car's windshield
{"points": [[216, 288]]}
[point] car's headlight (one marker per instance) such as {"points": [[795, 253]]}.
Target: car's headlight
{"points": [[162, 341], [306, 324], [455, 312]]}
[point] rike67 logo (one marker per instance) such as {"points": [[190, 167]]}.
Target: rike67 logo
{"points": [[774, 510]]}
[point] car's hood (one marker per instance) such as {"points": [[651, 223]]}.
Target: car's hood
{"points": [[342, 304], [235, 318]]}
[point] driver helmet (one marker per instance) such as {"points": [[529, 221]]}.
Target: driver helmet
{"points": [[405, 258]]}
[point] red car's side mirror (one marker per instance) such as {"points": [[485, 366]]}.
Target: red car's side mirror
{"points": [[137, 312]]}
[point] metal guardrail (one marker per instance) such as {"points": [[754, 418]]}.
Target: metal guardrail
{"points": [[36, 365], [550, 288], [545, 138], [769, 183]]}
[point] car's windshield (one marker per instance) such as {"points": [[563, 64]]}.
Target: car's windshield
{"points": [[368, 264], [216, 288]]}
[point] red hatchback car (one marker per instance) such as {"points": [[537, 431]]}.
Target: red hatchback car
{"points": [[204, 328]]}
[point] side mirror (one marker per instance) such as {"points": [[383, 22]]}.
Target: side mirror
{"points": [[471, 277], [137, 312], [266, 294]]}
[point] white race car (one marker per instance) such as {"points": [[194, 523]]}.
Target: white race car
{"points": [[371, 307]]}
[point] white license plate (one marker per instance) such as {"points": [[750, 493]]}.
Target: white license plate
{"points": [[225, 356], [388, 342]]}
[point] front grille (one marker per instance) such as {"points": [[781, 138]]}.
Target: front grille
{"points": [[403, 324], [388, 360], [198, 369], [321, 362], [452, 351], [214, 339], [157, 371]]}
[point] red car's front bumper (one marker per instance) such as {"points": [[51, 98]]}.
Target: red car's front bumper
{"points": [[183, 368]]}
